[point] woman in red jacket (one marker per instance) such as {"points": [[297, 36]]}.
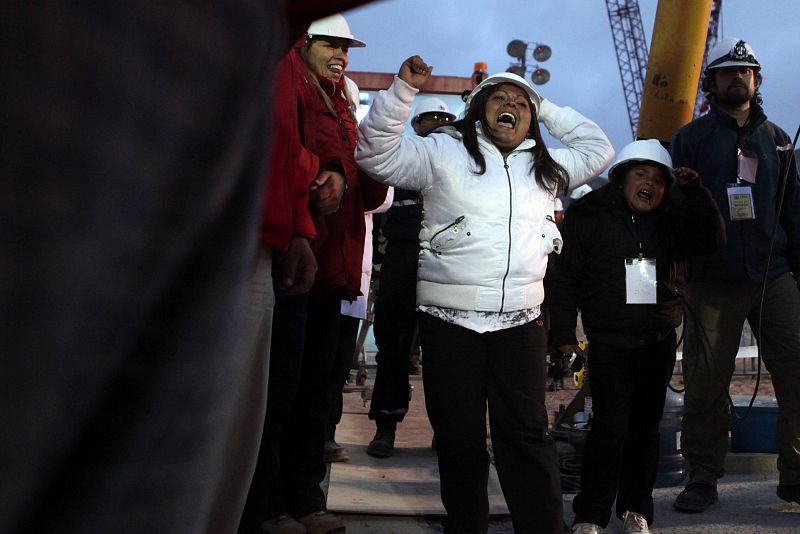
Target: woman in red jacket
{"points": [[286, 487]]}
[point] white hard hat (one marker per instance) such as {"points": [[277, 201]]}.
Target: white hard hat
{"points": [[578, 192], [559, 206], [334, 26], [506, 77], [732, 52], [646, 151], [432, 105]]}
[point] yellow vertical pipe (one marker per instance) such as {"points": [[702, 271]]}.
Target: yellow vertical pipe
{"points": [[673, 68]]}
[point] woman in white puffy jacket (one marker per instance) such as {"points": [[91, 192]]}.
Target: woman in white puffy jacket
{"points": [[488, 185]]}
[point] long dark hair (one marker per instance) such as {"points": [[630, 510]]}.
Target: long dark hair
{"points": [[547, 172]]}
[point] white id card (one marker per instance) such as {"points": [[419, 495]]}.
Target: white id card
{"points": [[740, 202], [640, 281]]}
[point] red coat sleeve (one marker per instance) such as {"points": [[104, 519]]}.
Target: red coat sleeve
{"points": [[292, 165], [306, 170]]}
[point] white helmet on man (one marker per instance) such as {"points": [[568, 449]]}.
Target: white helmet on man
{"points": [[732, 52], [433, 105], [644, 151], [334, 26], [506, 77]]}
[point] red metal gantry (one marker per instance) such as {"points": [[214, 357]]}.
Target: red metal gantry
{"points": [[630, 45], [700, 104]]}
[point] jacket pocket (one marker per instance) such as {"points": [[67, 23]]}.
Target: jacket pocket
{"points": [[450, 235], [551, 240]]}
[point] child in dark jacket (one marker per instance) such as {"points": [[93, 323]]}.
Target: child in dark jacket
{"points": [[622, 266]]}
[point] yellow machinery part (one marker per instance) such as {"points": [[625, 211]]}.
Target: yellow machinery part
{"points": [[673, 67]]}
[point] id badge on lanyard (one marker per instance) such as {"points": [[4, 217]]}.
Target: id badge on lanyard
{"points": [[640, 281], [740, 194]]}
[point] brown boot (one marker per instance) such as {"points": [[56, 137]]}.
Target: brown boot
{"points": [[333, 452], [322, 522]]}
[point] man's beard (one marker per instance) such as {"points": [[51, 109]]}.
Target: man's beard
{"points": [[734, 97]]}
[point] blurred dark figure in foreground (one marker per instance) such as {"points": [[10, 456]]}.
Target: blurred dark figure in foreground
{"points": [[134, 144]]}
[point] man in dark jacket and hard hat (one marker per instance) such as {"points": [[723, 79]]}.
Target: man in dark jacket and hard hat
{"points": [[747, 163]]}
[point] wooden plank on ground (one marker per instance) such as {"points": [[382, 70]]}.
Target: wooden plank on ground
{"points": [[407, 483]]}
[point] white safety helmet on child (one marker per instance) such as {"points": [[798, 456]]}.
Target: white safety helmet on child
{"points": [[506, 77], [732, 52], [642, 151], [334, 26]]}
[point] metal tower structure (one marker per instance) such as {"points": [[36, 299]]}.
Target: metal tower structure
{"points": [[700, 104], [631, 47]]}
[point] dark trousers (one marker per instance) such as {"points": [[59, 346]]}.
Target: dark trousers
{"points": [[343, 362], [507, 369], [719, 310], [132, 169], [621, 455], [302, 465], [286, 358], [395, 322]]}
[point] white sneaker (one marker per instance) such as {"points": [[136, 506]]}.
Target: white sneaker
{"points": [[633, 523], [586, 528]]}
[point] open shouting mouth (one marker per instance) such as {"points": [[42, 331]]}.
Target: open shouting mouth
{"points": [[506, 120]]}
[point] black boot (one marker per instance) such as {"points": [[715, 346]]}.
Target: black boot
{"points": [[789, 492], [696, 498], [382, 445]]}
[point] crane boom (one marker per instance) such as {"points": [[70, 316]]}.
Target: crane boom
{"points": [[630, 45]]}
